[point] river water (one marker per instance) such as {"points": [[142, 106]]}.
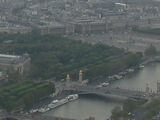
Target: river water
{"points": [[85, 107], [101, 108], [137, 81]]}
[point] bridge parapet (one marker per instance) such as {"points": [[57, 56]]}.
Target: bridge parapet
{"points": [[110, 90]]}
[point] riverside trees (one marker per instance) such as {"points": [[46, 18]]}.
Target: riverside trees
{"points": [[23, 94], [54, 57], [57, 56]]}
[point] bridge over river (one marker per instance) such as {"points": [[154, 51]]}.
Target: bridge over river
{"points": [[111, 92]]}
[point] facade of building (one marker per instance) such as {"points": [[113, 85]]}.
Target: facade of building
{"points": [[21, 64], [15, 29], [89, 26], [3, 78], [57, 30]]}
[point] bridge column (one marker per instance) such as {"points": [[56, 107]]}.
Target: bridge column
{"points": [[158, 87], [68, 80], [147, 90], [80, 76]]}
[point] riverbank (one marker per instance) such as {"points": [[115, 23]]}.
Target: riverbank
{"points": [[121, 75], [86, 106], [118, 76], [22, 95], [50, 103], [127, 112], [64, 93], [137, 79]]}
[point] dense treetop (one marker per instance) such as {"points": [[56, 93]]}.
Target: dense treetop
{"points": [[24, 94], [57, 56], [152, 31]]}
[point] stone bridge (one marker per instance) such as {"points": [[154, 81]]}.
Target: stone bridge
{"points": [[110, 91]]}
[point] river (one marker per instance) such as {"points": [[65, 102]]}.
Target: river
{"points": [[85, 107], [101, 108], [137, 81]]}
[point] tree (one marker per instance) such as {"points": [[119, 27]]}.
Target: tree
{"points": [[53, 56], [90, 118], [116, 113], [14, 76], [151, 51]]}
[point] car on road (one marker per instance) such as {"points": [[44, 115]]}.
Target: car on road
{"points": [[105, 84]]}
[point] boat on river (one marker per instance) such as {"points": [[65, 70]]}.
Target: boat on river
{"points": [[57, 103]]}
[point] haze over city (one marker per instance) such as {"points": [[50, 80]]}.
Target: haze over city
{"points": [[79, 59]]}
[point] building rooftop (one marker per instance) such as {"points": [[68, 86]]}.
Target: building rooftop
{"points": [[12, 59], [52, 24], [88, 21], [8, 56]]}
